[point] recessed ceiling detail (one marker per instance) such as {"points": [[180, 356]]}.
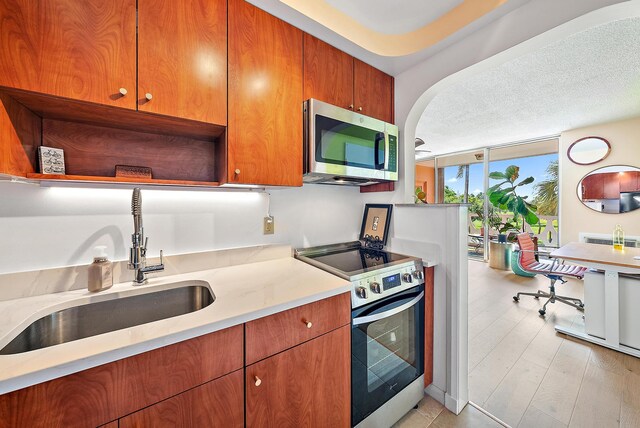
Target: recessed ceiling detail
{"points": [[391, 28], [590, 77]]}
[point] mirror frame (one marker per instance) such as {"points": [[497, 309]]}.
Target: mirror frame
{"points": [[587, 138]]}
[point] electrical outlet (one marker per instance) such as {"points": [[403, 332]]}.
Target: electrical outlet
{"points": [[269, 225]]}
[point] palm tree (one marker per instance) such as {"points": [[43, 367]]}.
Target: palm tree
{"points": [[546, 191], [464, 170]]}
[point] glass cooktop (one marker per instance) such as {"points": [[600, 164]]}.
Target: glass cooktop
{"points": [[357, 260]]}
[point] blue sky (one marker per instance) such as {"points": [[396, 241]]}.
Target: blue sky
{"points": [[534, 166]]}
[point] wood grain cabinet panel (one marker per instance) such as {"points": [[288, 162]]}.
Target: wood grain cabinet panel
{"points": [[306, 386], [629, 181], [611, 185], [592, 187], [219, 403], [428, 325], [107, 392], [182, 59], [264, 133], [275, 333], [373, 92], [84, 50], [328, 73]]}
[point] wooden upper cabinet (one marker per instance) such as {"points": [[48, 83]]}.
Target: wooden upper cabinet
{"points": [[592, 187], [264, 134], [182, 59], [328, 73], [337, 78], [629, 181], [373, 92], [611, 185], [306, 386], [84, 50]]}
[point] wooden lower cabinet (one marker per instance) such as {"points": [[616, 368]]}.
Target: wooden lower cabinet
{"points": [[105, 393], [428, 325], [306, 386], [218, 403]]}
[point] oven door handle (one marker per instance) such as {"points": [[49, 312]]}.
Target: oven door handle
{"points": [[387, 314]]}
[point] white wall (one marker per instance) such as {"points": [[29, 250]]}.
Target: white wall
{"points": [[625, 150], [59, 226], [438, 233]]}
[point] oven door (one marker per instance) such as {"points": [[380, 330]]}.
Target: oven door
{"points": [[387, 350]]}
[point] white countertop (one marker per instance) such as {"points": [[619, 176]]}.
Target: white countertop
{"points": [[242, 293]]}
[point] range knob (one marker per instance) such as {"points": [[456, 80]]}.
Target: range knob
{"points": [[406, 277], [418, 275], [361, 292], [375, 287]]}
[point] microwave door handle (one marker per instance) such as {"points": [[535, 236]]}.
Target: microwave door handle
{"points": [[387, 314], [380, 136]]}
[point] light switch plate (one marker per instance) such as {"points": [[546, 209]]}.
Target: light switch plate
{"points": [[269, 225]]}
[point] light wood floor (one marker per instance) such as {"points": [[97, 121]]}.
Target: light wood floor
{"points": [[432, 414], [527, 375]]}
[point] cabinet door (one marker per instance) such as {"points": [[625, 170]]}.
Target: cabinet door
{"points": [[182, 59], [611, 185], [265, 98], [219, 403], [373, 91], [328, 73], [306, 386], [629, 181], [592, 187], [84, 50]]}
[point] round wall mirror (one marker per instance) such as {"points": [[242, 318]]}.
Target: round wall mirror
{"points": [[612, 189], [588, 150]]}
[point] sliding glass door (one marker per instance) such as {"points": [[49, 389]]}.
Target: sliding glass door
{"points": [[518, 175]]}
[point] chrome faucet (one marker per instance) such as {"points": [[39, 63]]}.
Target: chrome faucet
{"points": [[138, 251]]}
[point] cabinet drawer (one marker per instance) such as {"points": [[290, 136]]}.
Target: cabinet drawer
{"points": [[96, 396], [275, 333], [219, 403]]}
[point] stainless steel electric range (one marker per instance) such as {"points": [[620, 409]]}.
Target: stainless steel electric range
{"points": [[387, 327]]}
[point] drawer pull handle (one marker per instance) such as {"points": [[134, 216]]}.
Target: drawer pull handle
{"points": [[148, 96], [307, 323], [237, 171], [359, 108], [123, 91], [350, 106], [258, 381]]}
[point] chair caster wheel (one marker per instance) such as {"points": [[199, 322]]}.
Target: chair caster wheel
{"points": [[542, 312], [516, 299], [582, 305], [536, 297]]}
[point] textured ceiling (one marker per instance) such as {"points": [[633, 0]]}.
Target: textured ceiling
{"points": [[588, 78], [394, 17]]}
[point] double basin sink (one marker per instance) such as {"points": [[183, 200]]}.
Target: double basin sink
{"points": [[92, 319]]}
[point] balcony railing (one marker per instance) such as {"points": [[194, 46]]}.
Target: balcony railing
{"points": [[547, 233]]}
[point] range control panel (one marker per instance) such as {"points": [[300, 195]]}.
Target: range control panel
{"points": [[386, 282]]}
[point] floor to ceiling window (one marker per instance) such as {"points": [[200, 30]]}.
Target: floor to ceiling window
{"points": [[529, 176]]}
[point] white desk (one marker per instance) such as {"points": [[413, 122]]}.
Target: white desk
{"points": [[613, 263]]}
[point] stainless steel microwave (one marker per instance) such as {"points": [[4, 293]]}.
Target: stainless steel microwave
{"points": [[348, 148]]}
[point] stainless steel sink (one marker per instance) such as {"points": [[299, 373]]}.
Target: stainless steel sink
{"points": [[92, 319]]}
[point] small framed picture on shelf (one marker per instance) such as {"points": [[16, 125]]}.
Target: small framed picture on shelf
{"points": [[51, 160]]}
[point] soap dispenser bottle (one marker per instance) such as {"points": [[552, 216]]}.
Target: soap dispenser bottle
{"points": [[100, 271]]}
